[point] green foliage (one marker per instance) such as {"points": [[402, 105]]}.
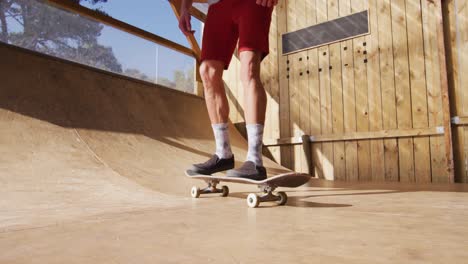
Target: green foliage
{"points": [[67, 35], [60, 34], [184, 80], [135, 73]]}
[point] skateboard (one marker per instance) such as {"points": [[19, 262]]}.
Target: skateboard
{"points": [[267, 186]]}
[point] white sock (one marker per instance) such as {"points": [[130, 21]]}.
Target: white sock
{"points": [[255, 138], [221, 134]]}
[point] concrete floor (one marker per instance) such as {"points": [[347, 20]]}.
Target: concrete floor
{"points": [[327, 223], [91, 171]]}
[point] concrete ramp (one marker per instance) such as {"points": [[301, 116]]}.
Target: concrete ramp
{"points": [[76, 141]]}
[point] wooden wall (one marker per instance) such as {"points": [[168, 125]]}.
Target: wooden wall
{"points": [[456, 31], [374, 104]]}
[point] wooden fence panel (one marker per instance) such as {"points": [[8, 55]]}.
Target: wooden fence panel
{"points": [[375, 94], [388, 80], [339, 166], [402, 89], [349, 99], [314, 93], [456, 36], [433, 72]]}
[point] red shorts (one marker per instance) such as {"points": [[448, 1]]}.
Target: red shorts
{"points": [[231, 20]]}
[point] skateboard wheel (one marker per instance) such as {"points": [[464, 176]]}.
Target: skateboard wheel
{"points": [[252, 200], [283, 198], [225, 190], [195, 192]]}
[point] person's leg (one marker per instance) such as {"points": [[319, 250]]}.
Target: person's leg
{"points": [[255, 108], [255, 102], [219, 42], [254, 26], [211, 72], [254, 94]]}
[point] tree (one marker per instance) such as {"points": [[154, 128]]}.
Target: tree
{"points": [[165, 82], [62, 34], [184, 80], [135, 73], [67, 35]]}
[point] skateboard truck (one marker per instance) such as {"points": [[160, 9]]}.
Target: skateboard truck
{"points": [[211, 188], [253, 200]]}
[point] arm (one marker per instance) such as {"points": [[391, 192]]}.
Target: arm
{"points": [[184, 21]]}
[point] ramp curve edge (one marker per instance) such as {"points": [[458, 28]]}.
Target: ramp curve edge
{"points": [[78, 141]]}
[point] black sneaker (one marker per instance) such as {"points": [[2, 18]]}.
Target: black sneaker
{"points": [[213, 165], [249, 170]]}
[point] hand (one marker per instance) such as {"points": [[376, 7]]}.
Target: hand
{"points": [[184, 23], [268, 3]]}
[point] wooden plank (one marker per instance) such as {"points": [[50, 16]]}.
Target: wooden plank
{"points": [[462, 47], [349, 100], [293, 91], [434, 97], [231, 80], [402, 89], [451, 28], [238, 92], [266, 79], [460, 120], [295, 67], [326, 33], [286, 152], [362, 103], [268, 75], [304, 111], [231, 92], [388, 89], [461, 154], [274, 85], [307, 151], [314, 93], [450, 33], [339, 165], [370, 135], [417, 56], [115, 23], [176, 6], [465, 157], [458, 25], [449, 175], [198, 14], [325, 97], [375, 94], [460, 157]]}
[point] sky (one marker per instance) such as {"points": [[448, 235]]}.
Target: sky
{"points": [[155, 16]]}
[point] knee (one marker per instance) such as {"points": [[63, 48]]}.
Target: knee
{"points": [[211, 73]]}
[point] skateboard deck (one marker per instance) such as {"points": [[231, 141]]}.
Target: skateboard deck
{"points": [[267, 186]]}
